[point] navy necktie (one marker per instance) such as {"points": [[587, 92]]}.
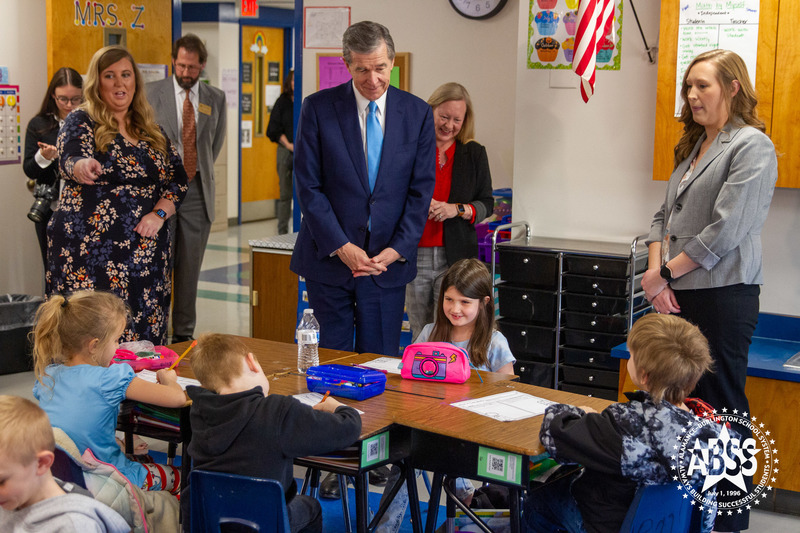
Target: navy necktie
{"points": [[374, 144]]}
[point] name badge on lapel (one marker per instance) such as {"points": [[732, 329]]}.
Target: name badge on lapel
{"points": [[204, 109]]}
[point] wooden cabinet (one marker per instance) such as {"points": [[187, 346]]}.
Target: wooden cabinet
{"points": [[777, 76], [273, 295], [564, 304]]}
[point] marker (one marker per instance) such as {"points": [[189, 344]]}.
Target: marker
{"points": [[194, 343], [327, 393]]}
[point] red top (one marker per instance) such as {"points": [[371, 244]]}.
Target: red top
{"points": [[433, 235]]}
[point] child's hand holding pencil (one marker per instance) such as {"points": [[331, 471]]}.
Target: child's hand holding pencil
{"points": [[328, 404]]}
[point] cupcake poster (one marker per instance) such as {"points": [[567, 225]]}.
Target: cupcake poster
{"points": [[551, 36]]}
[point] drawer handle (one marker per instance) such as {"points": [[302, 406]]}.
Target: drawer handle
{"points": [[591, 378], [523, 333], [593, 323], [595, 267], [594, 304], [591, 359], [594, 285], [591, 340], [525, 261]]}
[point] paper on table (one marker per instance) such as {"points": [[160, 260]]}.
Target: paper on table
{"points": [[506, 406], [149, 375], [313, 398], [387, 364]]}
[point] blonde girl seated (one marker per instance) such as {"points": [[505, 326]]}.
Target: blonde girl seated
{"points": [[80, 390]]}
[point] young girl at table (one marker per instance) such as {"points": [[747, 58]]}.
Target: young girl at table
{"points": [[80, 390], [465, 318]]}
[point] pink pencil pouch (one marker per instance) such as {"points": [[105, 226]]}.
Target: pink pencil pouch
{"points": [[435, 361]]}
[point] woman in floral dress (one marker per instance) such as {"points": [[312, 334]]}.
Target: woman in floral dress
{"points": [[123, 181]]}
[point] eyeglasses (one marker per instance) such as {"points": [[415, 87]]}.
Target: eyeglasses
{"points": [[75, 100], [190, 68]]}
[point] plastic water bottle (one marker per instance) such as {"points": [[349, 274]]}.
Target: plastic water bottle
{"points": [[307, 341]]}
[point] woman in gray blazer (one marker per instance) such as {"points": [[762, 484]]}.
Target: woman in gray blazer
{"points": [[705, 241]]}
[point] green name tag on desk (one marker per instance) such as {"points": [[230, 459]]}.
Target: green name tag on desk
{"points": [[502, 466], [375, 449]]}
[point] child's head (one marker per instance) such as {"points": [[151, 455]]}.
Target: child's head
{"points": [[466, 300], [668, 356], [26, 451], [88, 323], [218, 361]]}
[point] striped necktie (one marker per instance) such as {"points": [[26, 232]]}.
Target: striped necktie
{"points": [[189, 138]]}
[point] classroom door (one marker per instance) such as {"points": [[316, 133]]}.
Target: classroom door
{"points": [[261, 76]]}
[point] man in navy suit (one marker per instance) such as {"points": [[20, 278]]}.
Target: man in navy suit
{"points": [[358, 240]]}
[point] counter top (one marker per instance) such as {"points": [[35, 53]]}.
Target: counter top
{"points": [[776, 339], [278, 242]]}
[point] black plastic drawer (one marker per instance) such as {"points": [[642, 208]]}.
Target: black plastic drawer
{"points": [[595, 322], [597, 285], [590, 303], [533, 269], [529, 305], [594, 392], [591, 339], [532, 373], [588, 358], [590, 377], [529, 343], [602, 266]]}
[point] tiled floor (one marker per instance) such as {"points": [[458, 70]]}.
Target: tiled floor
{"points": [[223, 306]]}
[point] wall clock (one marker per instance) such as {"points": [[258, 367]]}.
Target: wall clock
{"points": [[478, 9]]}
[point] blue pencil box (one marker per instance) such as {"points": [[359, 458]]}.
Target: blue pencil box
{"points": [[344, 381]]}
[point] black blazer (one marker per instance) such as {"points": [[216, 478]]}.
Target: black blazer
{"points": [[471, 184], [47, 175]]}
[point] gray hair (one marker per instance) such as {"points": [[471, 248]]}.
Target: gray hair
{"points": [[365, 37]]}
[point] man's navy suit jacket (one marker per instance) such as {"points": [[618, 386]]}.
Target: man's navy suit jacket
{"points": [[333, 188]]}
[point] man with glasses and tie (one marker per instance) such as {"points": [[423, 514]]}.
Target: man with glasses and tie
{"points": [[193, 116], [364, 169]]}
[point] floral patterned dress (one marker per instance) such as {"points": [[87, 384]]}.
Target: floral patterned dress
{"points": [[91, 241]]}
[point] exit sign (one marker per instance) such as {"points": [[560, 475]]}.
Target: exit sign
{"points": [[249, 8]]}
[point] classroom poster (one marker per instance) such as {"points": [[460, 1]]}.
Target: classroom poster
{"points": [[710, 24], [551, 36]]}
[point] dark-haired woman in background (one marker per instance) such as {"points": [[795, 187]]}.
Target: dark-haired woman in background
{"points": [[40, 164]]}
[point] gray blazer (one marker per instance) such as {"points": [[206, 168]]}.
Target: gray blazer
{"points": [[210, 128], [717, 218]]}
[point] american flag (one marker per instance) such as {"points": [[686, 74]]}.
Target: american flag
{"points": [[595, 18]]}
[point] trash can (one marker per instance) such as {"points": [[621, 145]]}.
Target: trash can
{"points": [[17, 312]]}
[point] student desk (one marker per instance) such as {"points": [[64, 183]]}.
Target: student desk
{"points": [[382, 440], [459, 443]]}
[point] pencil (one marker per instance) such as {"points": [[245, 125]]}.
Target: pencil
{"points": [[327, 393], [194, 343]]}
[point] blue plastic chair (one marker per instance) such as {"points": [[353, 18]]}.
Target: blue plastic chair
{"points": [[661, 508], [227, 502]]}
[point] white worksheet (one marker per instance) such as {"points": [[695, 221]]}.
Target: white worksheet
{"points": [[149, 375], [384, 364], [506, 406]]}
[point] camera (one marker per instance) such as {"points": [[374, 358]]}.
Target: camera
{"points": [[44, 195], [432, 366]]}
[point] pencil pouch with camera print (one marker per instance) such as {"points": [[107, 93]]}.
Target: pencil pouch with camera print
{"points": [[435, 361]]}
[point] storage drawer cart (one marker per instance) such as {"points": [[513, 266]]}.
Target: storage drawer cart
{"points": [[564, 304]]}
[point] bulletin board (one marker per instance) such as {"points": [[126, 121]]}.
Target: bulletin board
{"points": [[76, 30]]}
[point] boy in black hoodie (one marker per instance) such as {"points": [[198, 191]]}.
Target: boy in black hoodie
{"points": [[237, 428]]}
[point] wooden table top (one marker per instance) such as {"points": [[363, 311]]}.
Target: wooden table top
{"points": [[520, 437], [274, 357]]}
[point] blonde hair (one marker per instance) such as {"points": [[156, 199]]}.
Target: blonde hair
{"points": [[471, 278], [26, 430], [65, 325], [217, 360], [741, 108], [454, 92], [140, 116], [671, 352]]}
